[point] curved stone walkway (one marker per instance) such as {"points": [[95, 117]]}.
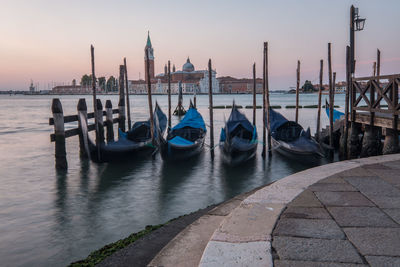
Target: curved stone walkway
{"points": [[351, 218], [340, 214]]}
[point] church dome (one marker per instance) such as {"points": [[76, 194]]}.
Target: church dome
{"points": [[188, 67]]}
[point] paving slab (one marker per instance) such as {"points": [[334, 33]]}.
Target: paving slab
{"points": [[373, 186], [320, 228], [331, 187], [334, 179], [305, 213], [286, 263], [392, 176], [378, 261], [361, 217], [225, 208], [392, 165], [249, 222], [394, 214], [375, 166], [375, 241], [273, 194], [305, 199], [187, 247], [385, 202], [359, 171], [309, 249], [343, 199], [237, 254]]}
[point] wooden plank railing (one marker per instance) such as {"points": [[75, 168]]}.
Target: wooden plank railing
{"points": [[60, 134], [378, 97]]}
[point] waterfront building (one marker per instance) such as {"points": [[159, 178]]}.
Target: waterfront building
{"points": [[72, 90], [231, 85], [193, 81]]}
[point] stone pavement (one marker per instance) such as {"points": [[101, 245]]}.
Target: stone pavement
{"points": [[349, 219], [341, 214]]}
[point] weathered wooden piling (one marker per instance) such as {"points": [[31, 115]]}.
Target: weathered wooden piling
{"points": [[60, 151], [95, 104], [321, 69], [210, 99], [374, 69], [371, 142], [127, 96], [378, 64], [267, 101], [343, 151], [297, 90], [109, 121], [169, 94], [254, 94], [99, 115], [149, 96], [194, 98], [82, 114], [121, 103], [264, 104], [391, 143], [331, 93]]}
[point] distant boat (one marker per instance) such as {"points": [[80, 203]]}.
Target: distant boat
{"points": [[336, 113], [134, 142], [289, 139], [238, 139], [186, 139]]}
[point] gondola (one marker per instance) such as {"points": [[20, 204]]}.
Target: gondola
{"points": [[135, 142], [336, 113], [289, 139], [186, 139], [238, 139]]}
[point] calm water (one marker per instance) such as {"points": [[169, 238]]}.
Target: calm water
{"points": [[49, 218]]}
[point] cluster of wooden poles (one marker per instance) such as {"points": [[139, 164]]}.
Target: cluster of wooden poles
{"points": [[58, 122]]}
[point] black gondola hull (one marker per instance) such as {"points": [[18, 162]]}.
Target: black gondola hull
{"points": [[175, 153], [233, 155], [311, 157]]}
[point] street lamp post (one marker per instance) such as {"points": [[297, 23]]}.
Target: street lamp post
{"points": [[356, 24]]}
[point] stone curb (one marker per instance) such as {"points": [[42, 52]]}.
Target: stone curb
{"points": [[244, 236]]}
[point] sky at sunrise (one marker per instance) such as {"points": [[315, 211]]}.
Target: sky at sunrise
{"points": [[49, 41]]}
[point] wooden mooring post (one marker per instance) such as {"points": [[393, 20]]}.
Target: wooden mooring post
{"points": [[264, 102], [254, 94], [297, 90], [321, 69], [210, 99], [59, 134], [343, 151], [99, 115], [128, 105], [169, 94], [121, 103], [95, 105], [82, 114], [149, 97], [331, 104], [109, 121], [267, 101]]}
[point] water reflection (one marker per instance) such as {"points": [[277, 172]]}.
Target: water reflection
{"points": [[235, 178]]}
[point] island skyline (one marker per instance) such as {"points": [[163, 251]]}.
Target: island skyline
{"points": [[49, 42]]}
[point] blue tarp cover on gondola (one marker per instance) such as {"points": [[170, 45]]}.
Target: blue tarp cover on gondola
{"points": [[235, 119], [179, 141], [192, 119], [276, 119], [336, 113]]}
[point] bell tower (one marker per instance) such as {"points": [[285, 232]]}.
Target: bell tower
{"points": [[149, 48]]}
